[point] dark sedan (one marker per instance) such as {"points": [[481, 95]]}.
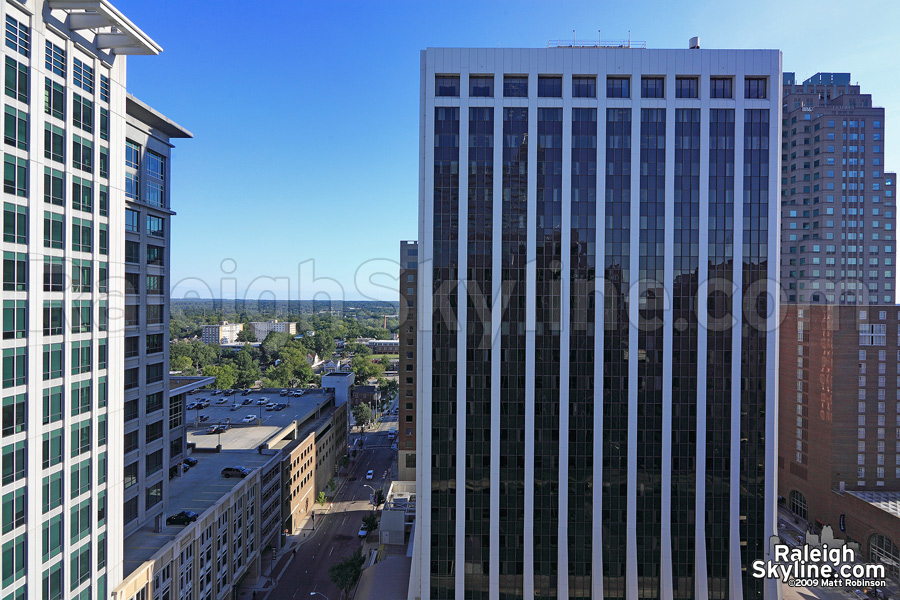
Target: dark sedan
{"points": [[182, 518]]}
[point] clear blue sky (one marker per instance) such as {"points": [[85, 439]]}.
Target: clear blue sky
{"points": [[305, 113]]}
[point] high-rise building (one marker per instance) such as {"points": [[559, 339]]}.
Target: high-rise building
{"points": [[406, 370], [838, 223], [596, 381], [839, 423], [65, 293]]}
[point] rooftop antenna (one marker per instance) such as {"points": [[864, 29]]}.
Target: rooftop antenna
{"points": [[574, 38], [599, 38], [629, 38]]}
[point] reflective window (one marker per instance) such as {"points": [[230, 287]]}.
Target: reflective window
{"points": [[481, 85], [515, 86], [549, 86], [653, 87], [446, 85], [618, 87]]}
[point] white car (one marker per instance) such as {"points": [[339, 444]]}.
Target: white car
{"points": [[221, 400], [370, 474], [262, 401], [249, 419]]}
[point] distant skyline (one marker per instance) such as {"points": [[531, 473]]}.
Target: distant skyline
{"points": [[302, 176]]}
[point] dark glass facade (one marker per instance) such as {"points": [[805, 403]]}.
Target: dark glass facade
{"points": [[582, 274], [719, 349], [478, 351], [443, 375], [514, 211], [548, 230], [617, 256], [753, 343], [651, 305], [686, 250]]}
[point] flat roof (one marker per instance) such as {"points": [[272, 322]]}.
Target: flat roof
{"points": [[186, 383], [886, 501], [386, 580], [248, 436], [198, 489], [149, 115]]}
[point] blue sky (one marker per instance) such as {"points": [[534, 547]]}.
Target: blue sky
{"points": [[305, 114]]}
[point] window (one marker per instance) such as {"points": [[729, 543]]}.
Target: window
{"points": [[81, 282], [54, 275], [155, 285], [102, 392], [15, 223], [55, 59], [153, 431], [154, 343], [131, 311], [131, 444], [14, 367], [155, 255], [83, 75], [81, 315], [153, 462], [720, 87], [52, 492], [52, 448], [15, 175], [54, 190], [154, 373], [15, 128], [131, 474], [103, 239], [104, 88], [549, 86], [81, 154], [154, 402], [16, 80], [515, 86], [132, 186], [132, 252], [13, 560], [82, 113], [13, 462], [53, 583], [131, 378], [82, 194], [81, 235], [154, 494], [132, 346], [584, 87], [132, 220], [80, 521], [104, 201], [14, 319], [13, 510], [53, 405], [81, 357], [154, 314], [53, 361], [755, 87], [15, 271], [81, 438], [481, 86], [618, 87], [17, 36], [80, 567], [13, 415], [53, 317], [130, 510], [155, 226], [686, 87], [54, 142], [446, 85], [653, 87], [81, 478], [54, 99]]}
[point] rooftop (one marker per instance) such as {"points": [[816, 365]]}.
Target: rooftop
{"points": [[198, 489], [122, 36], [269, 423], [149, 115], [886, 501]]}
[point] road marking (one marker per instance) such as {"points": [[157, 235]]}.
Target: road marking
{"points": [[332, 550]]}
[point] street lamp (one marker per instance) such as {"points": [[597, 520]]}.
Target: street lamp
{"points": [[319, 593], [374, 494]]}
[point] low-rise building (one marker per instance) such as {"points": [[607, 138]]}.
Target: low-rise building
{"points": [[222, 333], [384, 346], [263, 328], [370, 394]]}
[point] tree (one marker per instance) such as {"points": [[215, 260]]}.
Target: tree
{"points": [[182, 364], [371, 522], [224, 374], [388, 387], [344, 462], [379, 498], [346, 573], [247, 334], [332, 484], [363, 414], [363, 369], [321, 499], [247, 368]]}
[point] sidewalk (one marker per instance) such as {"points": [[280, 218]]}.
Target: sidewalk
{"points": [[272, 573]]}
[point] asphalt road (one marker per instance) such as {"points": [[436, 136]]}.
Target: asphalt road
{"points": [[336, 535]]}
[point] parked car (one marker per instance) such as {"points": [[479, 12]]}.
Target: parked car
{"points": [[234, 407], [270, 406], [182, 518], [283, 393], [248, 419], [235, 472], [190, 461], [216, 392], [296, 393], [221, 400], [203, 403], [245, 393], [214, 429], [204, 418], [246, 401], [262, 401], [363, 532], [370, 474], [281, 406], [191, 406], [230, 392]]}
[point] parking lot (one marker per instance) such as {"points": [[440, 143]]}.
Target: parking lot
{"points": [[251, 424]]}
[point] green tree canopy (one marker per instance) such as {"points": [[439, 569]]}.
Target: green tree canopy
{"points": [[388, 387], [363, 414], [363, 368], [224, 374], [371, 522], [247, 368], [247, 334], [182, 363], [346, 573]]}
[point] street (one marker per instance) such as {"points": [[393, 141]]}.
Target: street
{"points": [[336, 536]]}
